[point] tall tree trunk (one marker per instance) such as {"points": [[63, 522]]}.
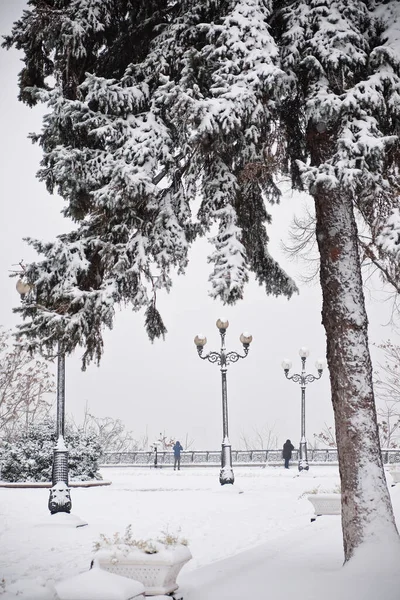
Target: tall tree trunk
{"points": [[366, 507]]}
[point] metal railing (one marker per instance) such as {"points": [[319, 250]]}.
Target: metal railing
{"points": [[212, 458]]}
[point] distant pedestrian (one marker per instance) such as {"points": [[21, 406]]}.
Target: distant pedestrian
{"points": [[287, 452], [177, 455]]}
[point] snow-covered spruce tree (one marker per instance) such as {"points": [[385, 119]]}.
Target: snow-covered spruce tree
{"points": [[344, 146], [150, 103]]}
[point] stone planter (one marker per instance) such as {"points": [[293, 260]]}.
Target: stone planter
{"points": [[325, 504], [157, 572]]}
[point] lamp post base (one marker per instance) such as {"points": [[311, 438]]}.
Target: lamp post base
{"points": [[303, 465], [226, 473], [60, 498], [303, 461]]}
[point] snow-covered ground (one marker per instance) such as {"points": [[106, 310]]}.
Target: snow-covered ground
{"points": [[256, 544]]}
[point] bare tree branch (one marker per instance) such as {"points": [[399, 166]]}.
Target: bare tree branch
{"points": [[26, 387]]}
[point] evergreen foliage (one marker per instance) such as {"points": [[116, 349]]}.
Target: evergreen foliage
{"points": [[153, 103], [150, 104], [29, 457], [344, 60]]}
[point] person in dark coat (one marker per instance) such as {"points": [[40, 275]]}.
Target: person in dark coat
{"points": [[177, 455], [287, 452]]}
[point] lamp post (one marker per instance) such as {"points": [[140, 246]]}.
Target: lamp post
{"points": [[155, 448], [303, 379], [60, 498], [223, 358]]}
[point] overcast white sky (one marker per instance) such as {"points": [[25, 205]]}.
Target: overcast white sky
{"points": [[164, 387]]}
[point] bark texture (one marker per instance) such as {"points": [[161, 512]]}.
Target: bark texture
{"points": [[366, 507]]}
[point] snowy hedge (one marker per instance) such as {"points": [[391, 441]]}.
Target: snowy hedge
{"points": [[30, 456]]}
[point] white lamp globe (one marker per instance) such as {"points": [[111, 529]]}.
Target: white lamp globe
{"points": [[200, 340], [304, 352], [222, 323], [286, 364]]}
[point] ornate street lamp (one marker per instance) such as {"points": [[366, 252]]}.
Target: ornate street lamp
{"points": [[223, 359], [60, 498], [303, 379]]}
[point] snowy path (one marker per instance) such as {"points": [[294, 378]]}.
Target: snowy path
{"points": [[306, 563], [263, 535]]}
